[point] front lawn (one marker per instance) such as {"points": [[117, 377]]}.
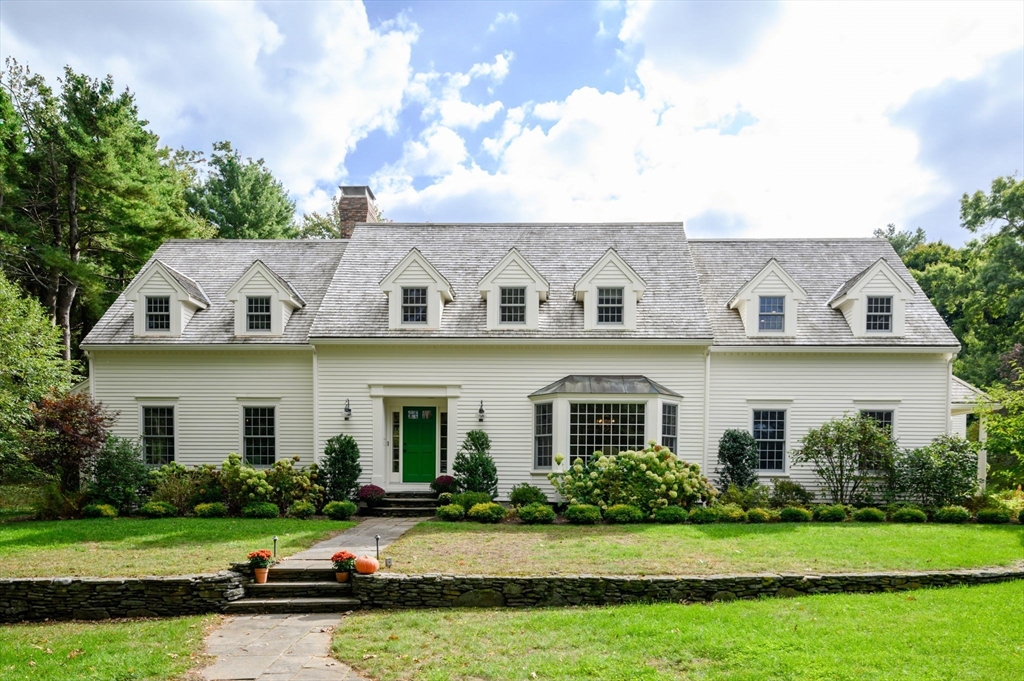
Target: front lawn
{"points": [[16, 501], [134, 547], [958, 634], [471, 548], [124, 649]]}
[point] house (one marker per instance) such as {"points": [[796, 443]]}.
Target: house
{"points": [[553, 338]]}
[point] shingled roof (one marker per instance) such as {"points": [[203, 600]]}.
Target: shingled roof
{"points": [[821, 267], [214, 265], [671, 307]]}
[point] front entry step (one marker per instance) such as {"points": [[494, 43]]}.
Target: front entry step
{"points": [[306, 589], [402, 511], [260, 606], [394, 501]]}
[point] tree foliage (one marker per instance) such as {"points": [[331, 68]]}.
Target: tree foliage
{"points": [[847, 455], [241, 198], [340, 468], [473, 468], [68, 432], [902, 241], [737, 459], [1004, 426], [942, 473], [87, 193]]}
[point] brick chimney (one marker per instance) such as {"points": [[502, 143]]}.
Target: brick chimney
{"points": [[356, 204]]}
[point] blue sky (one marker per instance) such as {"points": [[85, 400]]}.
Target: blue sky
{"points": [[741, 119]]}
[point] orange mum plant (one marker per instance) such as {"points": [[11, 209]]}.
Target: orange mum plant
{"points": [[261, 559], [344, 561]]}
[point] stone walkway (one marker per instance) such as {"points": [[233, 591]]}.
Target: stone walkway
{"points": [[359, 540], [276, 648]]}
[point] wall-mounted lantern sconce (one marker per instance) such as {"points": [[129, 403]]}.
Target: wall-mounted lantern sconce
{"points": [[480, 413], [348, 410]]}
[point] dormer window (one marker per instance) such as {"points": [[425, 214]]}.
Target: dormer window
{"points": [[772, 314], [158, 313], [258, 313], [414, 305], [513, 305], [609, 305], [879, 314]]}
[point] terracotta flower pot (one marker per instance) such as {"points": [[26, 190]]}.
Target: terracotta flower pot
{"points": [[261, 575], [342, 576]]}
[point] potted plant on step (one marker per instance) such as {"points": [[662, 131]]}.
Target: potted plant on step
{"points": [[260, 561], [344, 564]]}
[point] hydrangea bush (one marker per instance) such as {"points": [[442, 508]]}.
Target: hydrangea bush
{"points": [[650, 479]]}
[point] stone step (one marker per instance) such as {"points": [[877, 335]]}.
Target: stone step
{"points": [[408, 501], [275, 589], [257, 606], [403, 511], [409, 495], [285, 574]]}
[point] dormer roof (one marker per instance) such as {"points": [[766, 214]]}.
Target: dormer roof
{"points": [[416, 263], [283, 286], [880, 265], [188, 288], [610, 260], [515, 259], [773, 271]]}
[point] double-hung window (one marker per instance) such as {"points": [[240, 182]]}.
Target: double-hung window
{"points": [[883, 417], [772, 313], [259, 435], [513, 305], [770, 433], [670, 426], [158, 435], [543, 435], [414, 305], [609, 305], [605, 428], [879, 315], [158, 313], [257, 316]]}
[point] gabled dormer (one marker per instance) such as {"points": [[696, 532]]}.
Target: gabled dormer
{"points": [[874, 301], [416, 293], [609, 292], [514, 290], [768, 303], [165, 300], [264, 301]]}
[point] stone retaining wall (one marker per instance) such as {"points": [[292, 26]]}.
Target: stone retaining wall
{"points": [[389, 590], [94, 598]]}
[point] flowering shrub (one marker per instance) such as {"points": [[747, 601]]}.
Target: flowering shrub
{"points": [[650, 479], [289, 484], [344, 561], [371, 494], [243, 484], [443, 484], [261, 559]]}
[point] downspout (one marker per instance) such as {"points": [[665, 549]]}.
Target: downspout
{"points": [[949, 393], [316, 404], [707, 407]]}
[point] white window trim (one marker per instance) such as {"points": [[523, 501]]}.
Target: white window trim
{"points": [[499, 277], [259, 332], [183, 305], [747, 300], [426, 303], [171, 402], [283, 302], [274, 402], [533, 438], [439, 290], [525, 305], [661, 425], [891, 313], [882, 405], [610, 271], [787, 447], [854, 303]]}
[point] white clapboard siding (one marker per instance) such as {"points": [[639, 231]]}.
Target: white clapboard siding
{"points": [[823, 386], [205, 387], [502, 377]]}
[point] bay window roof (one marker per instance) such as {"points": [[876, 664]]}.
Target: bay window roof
{"points": [[605, 385]]}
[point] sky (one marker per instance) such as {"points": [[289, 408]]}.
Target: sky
{"points": [[740, 119]]}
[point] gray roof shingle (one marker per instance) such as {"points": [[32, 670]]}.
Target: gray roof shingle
{"points": [[189, 284], [671, 307], [216, 264], [821, 267]]}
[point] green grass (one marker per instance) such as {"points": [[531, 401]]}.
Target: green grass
{"points": [[134, 547], [16, 501], [102, 651], [959, 634], [470, 548]]}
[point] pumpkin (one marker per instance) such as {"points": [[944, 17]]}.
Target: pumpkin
{"points": [[367, 565]]}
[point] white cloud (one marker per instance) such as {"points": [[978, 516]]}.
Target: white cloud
{"points": [[447, 105], [820, 156], [503, 18]]}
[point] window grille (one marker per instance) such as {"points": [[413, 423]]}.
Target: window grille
{"points": [[258, 313], [670, 426], [396, 436], [158, 313], [772, 315], [158, 435], [609, 306], [414, 306], [513, 305], [879, 314], [770, 433], [444, 441], [872, 461], [260, 442], [543, 436], [607, 428]]}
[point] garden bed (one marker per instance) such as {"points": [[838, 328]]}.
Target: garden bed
{"points": [[133, 547], [470, 548], [959, 633]]}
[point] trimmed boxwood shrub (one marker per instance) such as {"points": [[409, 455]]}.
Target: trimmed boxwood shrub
{"points": [[214, 509], [909, 514], [468, 500], [705, 515], [623, 514], [524, 494], [869, 515], [537, 514], [583, 514], [158, 509], [758, 516], [261, 509], [956, 515], [445, 498], [795, 514], [451, 512], [671, 515], [830, 514], [340, 510], [487, 513], [993, 516], [731, 513], [301, 510], [99, 511]]}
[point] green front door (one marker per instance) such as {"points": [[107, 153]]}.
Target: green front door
{"points": [[419, 444]]}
